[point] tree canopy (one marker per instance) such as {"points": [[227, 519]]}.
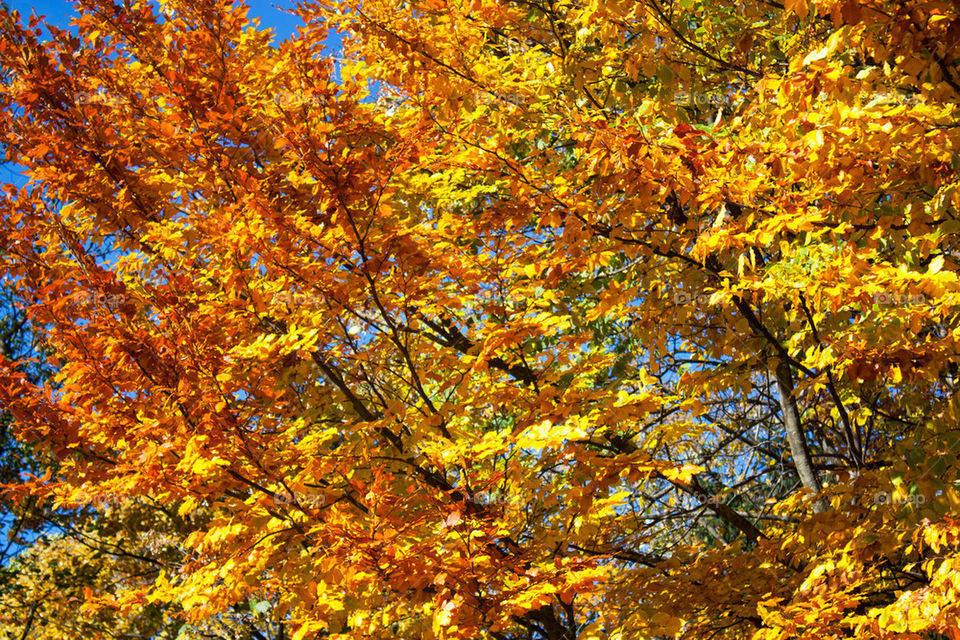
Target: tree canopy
{"points": [[543, 320]]}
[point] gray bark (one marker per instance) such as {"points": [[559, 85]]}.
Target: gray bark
{"points": [[794, 429]]}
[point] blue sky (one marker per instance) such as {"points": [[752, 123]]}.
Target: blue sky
{"points": [[271, 13]]}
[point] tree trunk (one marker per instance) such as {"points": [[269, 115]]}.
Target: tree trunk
{"points": [[798, 442]]}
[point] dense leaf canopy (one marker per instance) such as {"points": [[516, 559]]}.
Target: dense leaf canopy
{"points": [[538, 319]]}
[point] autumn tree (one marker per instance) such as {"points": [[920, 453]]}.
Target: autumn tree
{"points": [[599, 320]]}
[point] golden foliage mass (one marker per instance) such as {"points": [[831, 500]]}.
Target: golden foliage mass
{"points": [[541, 319]]}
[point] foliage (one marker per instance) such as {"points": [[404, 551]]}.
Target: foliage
{"points": [[604, 320]]}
